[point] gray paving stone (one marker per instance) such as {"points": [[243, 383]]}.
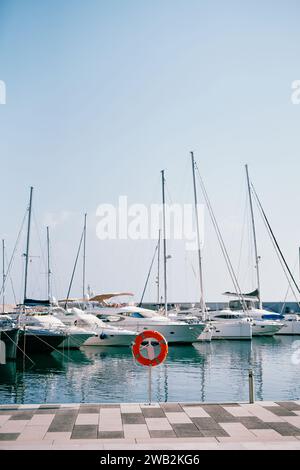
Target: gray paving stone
{"points": [[214, 433], [218, 413], [22, 415], [89, 409], [289, 405], [133, 418], [110, 435], [252, 422], [153, 413], [186, 430], [49, 407], [85, 431], [279, 411], [285, 429], [162, 434], [63, 421], [171, 407], [206, 424], [9, 436]]}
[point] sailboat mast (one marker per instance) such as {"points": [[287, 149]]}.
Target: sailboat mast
{"points": [[48, 266], [158, 268], [3, 275], [164, 240], [202, 303], [84, 257], [254, 237], [27, 243]]}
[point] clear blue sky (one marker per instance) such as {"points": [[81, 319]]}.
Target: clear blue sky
{"points": [[101, 95]]}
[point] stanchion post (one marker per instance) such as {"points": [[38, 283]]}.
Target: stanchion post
{"points": [[251, 386], [150, 384]]}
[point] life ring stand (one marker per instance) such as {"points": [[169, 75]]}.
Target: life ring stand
{"points": [[136, 348]]}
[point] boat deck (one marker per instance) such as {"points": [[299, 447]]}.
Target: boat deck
{"points": [[263, 425]]}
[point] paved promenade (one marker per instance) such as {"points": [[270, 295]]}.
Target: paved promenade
{"points": [[263, 425]]}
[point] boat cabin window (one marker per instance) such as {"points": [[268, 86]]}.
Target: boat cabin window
{"points": [[237, 304], [136, 315], [227, 316]]}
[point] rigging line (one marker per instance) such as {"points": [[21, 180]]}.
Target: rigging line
{"points": [[18, 347], [74, 269], [278, 256], [222, 243], [242, 239], [14, 252], [288, 290], [149, 273], [11, 282], [274, 238]]}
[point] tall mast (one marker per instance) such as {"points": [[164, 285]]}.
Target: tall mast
{"points": [[164, 240], [257, 259], [202, 303], [84, 256], [48, 266], [158, 268], [27, 243], [3, 275]]}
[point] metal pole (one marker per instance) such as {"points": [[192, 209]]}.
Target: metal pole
{"points": [[257, 259], [48, 265], [164, 240], [202, 303], [158, 269], [251, 386], [27, 243], [84, 257], [150, 384], [3, 275]]}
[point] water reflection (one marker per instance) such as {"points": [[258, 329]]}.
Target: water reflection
{"points": [[216, 371]]}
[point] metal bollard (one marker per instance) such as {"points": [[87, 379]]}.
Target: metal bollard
{"points": [[251, 386]]}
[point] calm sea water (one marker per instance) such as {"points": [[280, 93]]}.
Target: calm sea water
{"points": [[212, 372]]}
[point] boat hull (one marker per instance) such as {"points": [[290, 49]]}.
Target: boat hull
{"points": [[10, 339], [39, 342], [74, 341], [265, 329], [111, 338], [232, 331], [290, 328]]}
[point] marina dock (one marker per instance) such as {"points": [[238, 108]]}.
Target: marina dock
{"points": [[169, 426]]}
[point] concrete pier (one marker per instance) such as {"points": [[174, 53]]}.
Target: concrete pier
{"points": [[262, 425]]}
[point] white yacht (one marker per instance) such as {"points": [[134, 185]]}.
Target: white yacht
{"points": [[104, 334], [291, 324], [226, 325], [73, 337], [140, 319], [264, 323]]}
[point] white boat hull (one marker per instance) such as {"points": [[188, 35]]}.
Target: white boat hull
{"points": [[265, 329], [111, 338], [179, 333], [289, 328], [235, 330], [74, 340]]}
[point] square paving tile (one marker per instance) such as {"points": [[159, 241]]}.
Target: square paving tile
{"points": [[162, 434], [186, 430], [110, 434], [153, 413], [289, 405], [40, 420], [87, 418], [218, 413], [252, 422], [178, 417], [171, 407], [136, 431], [84, 432], [279, 410], [237, 411], [63, 422], [13, 426], [158, 424], [285, 429], [133, 418], [22, 415], [130, 408], [33, 433], [206, 424], [9, 436], [89, 409], [195, 412]]}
